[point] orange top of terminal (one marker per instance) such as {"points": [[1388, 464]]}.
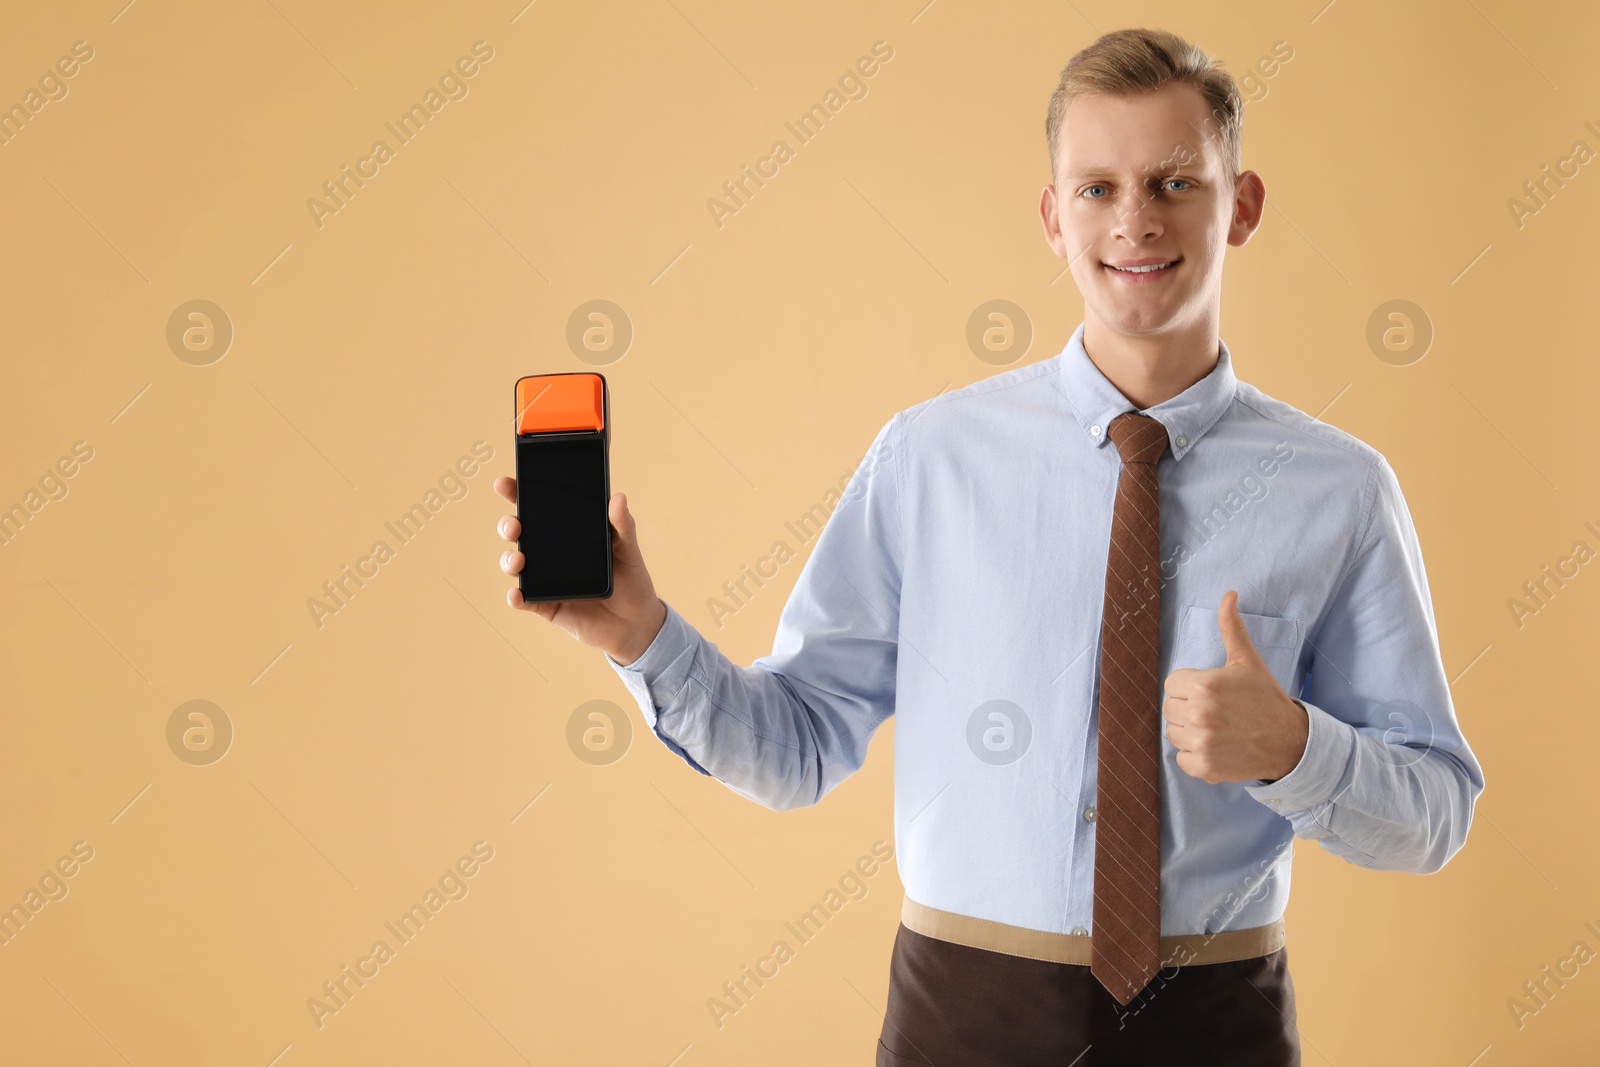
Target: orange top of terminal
{"points": [[553, 403]]}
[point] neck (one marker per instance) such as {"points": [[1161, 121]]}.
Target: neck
{"points": [[1152, 369]]}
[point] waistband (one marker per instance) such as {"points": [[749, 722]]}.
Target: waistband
{"points": [[1176, 951]]}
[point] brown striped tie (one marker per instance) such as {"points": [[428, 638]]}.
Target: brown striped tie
{"points": [[1125, 950]]}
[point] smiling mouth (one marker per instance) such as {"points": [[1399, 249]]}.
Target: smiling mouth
{"points": [[1154, 268]]}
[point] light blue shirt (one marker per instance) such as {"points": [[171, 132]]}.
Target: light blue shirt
{"points": [[958, 585]]}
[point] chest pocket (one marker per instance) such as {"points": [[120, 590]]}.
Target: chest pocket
{"points": [[1198, 642]]}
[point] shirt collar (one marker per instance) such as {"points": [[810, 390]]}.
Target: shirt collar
{"points": [[1187, 416]]}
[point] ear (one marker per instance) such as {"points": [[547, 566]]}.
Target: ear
{"points": [[1050, 217], [1249, 201]]}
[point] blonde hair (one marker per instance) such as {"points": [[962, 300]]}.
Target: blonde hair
{"points": [[1134, 61]]}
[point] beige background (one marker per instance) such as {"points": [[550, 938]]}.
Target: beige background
{"points": [[371, 353]]}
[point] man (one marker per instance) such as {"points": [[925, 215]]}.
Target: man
{"points": [[1141, 625]]}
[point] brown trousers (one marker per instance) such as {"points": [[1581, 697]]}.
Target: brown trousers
{"points": [[953, 1005]]}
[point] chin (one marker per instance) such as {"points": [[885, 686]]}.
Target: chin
{"points": [[1139, 321]]}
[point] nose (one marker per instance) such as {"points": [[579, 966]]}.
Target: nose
{"points": [[1138, 217]]}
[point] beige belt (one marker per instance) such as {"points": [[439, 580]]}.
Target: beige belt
{"points": [[1176, 951]]}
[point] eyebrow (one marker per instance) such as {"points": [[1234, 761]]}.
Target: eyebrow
{"points": [[1099, 171]]}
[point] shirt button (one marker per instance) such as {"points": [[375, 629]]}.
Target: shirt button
{"points": [[1182, 440], [1080, 931], [1094, 431], [1090, 814]]}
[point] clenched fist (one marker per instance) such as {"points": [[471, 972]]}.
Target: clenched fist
{"points": [[1234, 723]]}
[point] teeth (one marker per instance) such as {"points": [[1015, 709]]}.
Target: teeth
{"points": [[1144, 270]]}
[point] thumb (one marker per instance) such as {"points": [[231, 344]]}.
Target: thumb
{"points": [[625, 541], [1235, 638]]}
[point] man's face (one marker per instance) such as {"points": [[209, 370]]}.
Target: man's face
{"points": [[1140, 180]]}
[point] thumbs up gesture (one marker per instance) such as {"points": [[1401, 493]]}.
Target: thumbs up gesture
{"points": [[1233, 723]]}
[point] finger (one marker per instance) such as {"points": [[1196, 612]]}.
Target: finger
{"points": [[1180, 683], [506, 486], [514, 598], [512, 562], [1174, 735], [1178, 727], [510, 527], [1235, 638], [545, 609]]}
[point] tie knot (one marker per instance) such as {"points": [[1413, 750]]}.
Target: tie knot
{"points": [[1140, 438]]}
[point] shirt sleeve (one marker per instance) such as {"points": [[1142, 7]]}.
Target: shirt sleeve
{"points": [[789, 728], [1387, 780]]}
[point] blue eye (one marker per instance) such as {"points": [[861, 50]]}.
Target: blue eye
{"points": [[1182, 181]]}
